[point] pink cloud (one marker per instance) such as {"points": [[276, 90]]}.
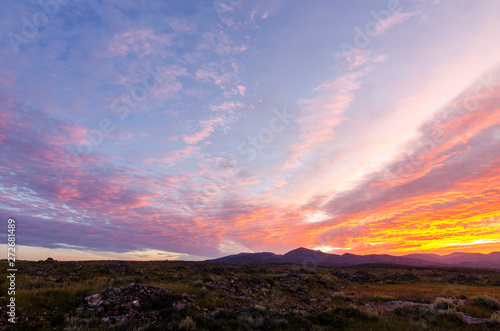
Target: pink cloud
{"points": [[220, 43], [181, 25], [241, 89], [172, 157], [386, 24], [227, 106], [208, 127], [438, 183], [206, 75], [139, 42], [321, 114], [357, 57]]}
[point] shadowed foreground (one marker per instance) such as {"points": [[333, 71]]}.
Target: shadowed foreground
{"points": [[169, 295]]}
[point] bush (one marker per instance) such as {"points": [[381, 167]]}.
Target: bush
{"points": [[415, 312], [370, 313], [496, 317], [443, 303], [450, 315], [339, 296], [187, 324], [336, 318], [475, 311], [381, 298], [486, 301]]}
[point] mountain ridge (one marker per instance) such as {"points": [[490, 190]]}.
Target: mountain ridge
{"points": [[303, 255]]}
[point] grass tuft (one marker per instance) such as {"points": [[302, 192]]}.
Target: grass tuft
{"points": [[486, 301], [444, 303]]}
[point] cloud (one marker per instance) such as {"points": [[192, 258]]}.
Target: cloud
{"points": [[228, 247], [138, 42], [241, 89], [220, 43], [163, 182], [386, 24], [321, 114], [181, 25], [205, 75], [227, 106], [357, 57], [173, 157], [434, 192], [208, 127]]}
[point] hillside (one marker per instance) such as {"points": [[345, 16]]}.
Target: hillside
{"points": [[311, 257]]}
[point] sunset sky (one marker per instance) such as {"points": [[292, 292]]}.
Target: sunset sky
{"points": [[197, 129]]}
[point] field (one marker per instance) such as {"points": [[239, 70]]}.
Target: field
{"points": [[171, 295]]}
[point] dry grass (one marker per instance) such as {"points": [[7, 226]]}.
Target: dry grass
{"points": [[444, 303], [486, 301], [261, 299]]}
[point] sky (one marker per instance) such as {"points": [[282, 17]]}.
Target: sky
{"points": [[197, 129]]}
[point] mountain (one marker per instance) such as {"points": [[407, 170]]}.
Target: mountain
{"points": [[251, 258], [307, 256]]}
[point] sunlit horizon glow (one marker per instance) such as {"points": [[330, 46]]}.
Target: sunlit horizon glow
{"points": [[183, 131]]}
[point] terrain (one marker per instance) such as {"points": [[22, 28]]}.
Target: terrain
{"points": [[177, 295], [307, 256]]}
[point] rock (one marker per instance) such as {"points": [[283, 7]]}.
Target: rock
{"points": [[121, 267], [71, 264], [461, 278], [94, 300], [288, 280], [219, 271], [47, 273], [178, 306], [124, 304], [363, 276], [358, 276], [406, 277]]}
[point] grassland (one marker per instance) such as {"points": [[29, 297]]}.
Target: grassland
{"points": [[174, 295]]}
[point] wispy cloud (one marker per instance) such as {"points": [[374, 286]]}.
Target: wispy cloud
{"points": [[386, 24], [379, 150]]}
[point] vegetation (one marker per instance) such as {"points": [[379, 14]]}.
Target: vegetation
{"points": [[443, 303], [171, 295], [486, 301]]}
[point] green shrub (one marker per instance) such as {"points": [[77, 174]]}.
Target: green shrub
{"points": [[486, 301], [451, 315], [371, 314], [415, 312], [187, 324], [443, 303], [339, 296], [380, 298], [475, 311]]}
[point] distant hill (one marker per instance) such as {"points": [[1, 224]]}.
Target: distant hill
{"points": [[307, 256]]}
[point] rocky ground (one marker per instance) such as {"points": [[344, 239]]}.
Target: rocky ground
{"points": [[190, 296]]}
